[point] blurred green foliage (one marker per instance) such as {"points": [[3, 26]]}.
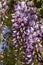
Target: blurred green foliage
{"points": [[42, 55], [39, 5], [8, 21]]}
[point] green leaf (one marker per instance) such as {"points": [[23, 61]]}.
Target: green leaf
{"points": [[42, 55], [8, 21]]}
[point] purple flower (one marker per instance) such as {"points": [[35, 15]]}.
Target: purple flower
{"points": [[5, 31], [26, 32], [3, 9]]}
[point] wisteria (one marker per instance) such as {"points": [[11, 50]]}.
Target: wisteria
{"points": [[27, 29], [21, 32], [3, 9], [5, 31]]}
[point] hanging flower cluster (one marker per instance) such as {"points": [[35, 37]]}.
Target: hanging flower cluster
{"points": [[3, 9], [5, 31], [27, 33]]}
